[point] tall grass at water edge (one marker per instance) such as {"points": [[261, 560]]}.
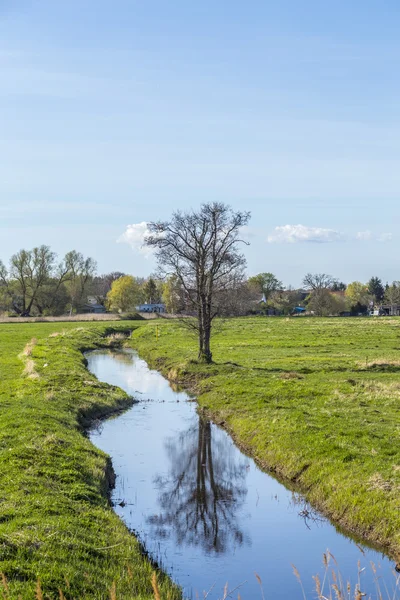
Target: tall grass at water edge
{"points": [[329, 586]]}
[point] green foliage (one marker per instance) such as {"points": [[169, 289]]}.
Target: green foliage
{"points": [[35, 284], [358, 293], [322, 302], [56, 523], [376, 289], [134, 316], [125, 294], [265, 284], [315, 400], [173, 295], [392, 293], [286, 300], [150, 291]]}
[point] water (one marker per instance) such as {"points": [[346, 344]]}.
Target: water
{"points": [[203, 509]]}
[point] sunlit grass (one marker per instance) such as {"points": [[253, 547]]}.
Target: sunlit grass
{"points": [[59, 537], [314, 400]]}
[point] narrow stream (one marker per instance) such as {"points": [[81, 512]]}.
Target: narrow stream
{"points": [[204, 510]]}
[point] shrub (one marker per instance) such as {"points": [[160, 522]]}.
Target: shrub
{"points": [[132, 317]]}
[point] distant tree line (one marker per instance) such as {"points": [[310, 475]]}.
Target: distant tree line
{"points": [[324, 295], [35, 282]]}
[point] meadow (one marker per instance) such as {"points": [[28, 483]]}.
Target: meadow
{"points": [[313, 400], [59, 537]]}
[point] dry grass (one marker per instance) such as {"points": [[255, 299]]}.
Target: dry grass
{"points": [[329, 586], [332, 586], [117, 337], [155, 587], [78, 318], [27, 351], [377, 482], [64, 318], [380, 364], [291, 375], [29, 370]]}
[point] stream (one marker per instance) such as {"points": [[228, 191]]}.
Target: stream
{"points": [[204, 510]]}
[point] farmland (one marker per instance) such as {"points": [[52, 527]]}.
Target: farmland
{"points": [[57, 530], [313, 400]]}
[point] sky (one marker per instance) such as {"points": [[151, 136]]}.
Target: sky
{"points": [[114, 114]]}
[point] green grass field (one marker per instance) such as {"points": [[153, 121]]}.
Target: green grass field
{"points": [[56, 524], [315, 400]]}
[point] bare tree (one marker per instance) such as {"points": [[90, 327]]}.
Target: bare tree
{"points": [[35, 282], [201, 249], [81, 271], [101, 285], [31, 269], [201, 496], [323, 302], [319, 281]]}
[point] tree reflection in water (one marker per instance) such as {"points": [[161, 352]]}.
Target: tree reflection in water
{"points": [[205, 488], [126, 358]]}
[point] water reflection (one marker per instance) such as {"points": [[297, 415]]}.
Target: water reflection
{"points": [[203, 509], [204, 488]]}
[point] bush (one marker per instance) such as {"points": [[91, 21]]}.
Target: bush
{"points": [[132, 317]]}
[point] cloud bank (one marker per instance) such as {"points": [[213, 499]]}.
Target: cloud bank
{"points": [[294, 234], [135, 236]]}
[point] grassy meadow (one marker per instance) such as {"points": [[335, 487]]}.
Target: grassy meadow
{"points": [[59, 537], [314, 400]]}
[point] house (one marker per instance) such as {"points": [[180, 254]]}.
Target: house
{"points": [[91, 307], [391, 310], [298, 310], [151, 308]]}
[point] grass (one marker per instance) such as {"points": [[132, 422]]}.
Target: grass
{"points": [[59, 537], [314, 400]]}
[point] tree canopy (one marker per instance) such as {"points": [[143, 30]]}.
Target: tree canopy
{"points": [[201, 249], [265, 283], [125, 293]]}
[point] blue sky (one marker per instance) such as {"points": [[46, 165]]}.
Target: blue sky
{"points": [[117, 113]]}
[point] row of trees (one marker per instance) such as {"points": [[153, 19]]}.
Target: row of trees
{"points": [[127, 292], [325, 295], [35, 282], [201, 274], [329, 296]]}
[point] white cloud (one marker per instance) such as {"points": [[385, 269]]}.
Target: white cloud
{"points": [[385, 237], [364, 236], [135, 236], [295, 234], [300, 233]]}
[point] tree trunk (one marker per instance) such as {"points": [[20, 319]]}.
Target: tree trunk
{"points": [[205, 354], [201, 334]]}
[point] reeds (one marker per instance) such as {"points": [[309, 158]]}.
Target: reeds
{"points": [[334, 587], [331, 587], [25, 355]]}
